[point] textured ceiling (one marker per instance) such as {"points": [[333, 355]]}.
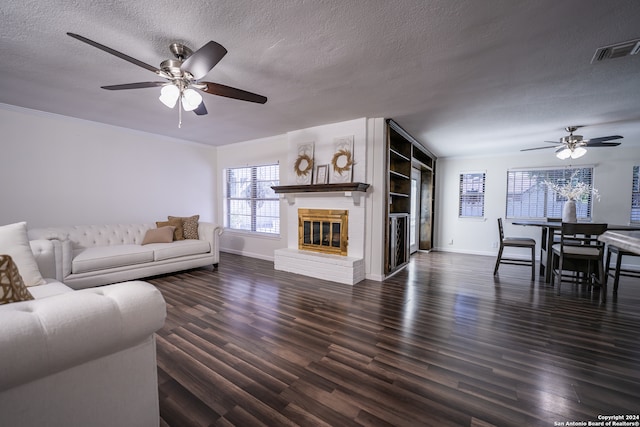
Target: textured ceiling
{"points": [[464, 77]]}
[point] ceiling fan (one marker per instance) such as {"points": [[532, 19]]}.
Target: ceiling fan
{"points": [[182, 76], [574, 145]]}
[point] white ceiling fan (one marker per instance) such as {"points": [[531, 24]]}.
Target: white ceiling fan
{"points": [[574, 146], [182, 76]]}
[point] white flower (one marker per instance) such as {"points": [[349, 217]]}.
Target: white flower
{"points": [[573, 191]]}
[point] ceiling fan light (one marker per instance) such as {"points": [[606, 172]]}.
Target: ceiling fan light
{"points": [[563, 153], [169, 95], [578, 152], [191, 99]]}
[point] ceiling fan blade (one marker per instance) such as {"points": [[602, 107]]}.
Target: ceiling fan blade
{"points": [[204, 59], [603, 139], [231, 92], [602, 144], [140, 85], [539, 148], [201, 110], [115, 52]]}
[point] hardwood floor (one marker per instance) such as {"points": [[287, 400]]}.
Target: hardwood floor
{"points": [[442, 343]]}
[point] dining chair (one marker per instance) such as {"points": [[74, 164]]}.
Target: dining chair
{"points": [[515, 242], [580, 253], [619, 270]]}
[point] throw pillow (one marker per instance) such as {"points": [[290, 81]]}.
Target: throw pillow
{"points": [[14, 242], [178, 234], [12, 288], [189, 225], [159, 235]]}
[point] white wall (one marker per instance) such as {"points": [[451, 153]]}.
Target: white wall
{"points": [[57, 170], [612, 177], [262, 151]]}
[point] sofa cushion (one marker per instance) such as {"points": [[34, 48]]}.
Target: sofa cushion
{"points": [[180, 248], [189, 225], [14, 242], [104, 257], [178, 233], [12, 288], [50, 288], [158, 235]]}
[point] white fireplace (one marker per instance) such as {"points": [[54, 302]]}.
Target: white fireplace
{"points": [[327, 240]]}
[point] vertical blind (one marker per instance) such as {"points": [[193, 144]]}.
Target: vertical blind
{"points": [[529, 197], [635, 195], [471, 195], [251, 203]]}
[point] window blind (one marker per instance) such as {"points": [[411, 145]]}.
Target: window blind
{"points": [[471, 195], [251, 203], [635, 195], [528, 196]]}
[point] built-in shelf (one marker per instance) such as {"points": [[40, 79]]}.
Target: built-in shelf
{"points": [[350, 189]]}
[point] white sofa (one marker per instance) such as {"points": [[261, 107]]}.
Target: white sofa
{"points": [[93, 255], [80, 358]]}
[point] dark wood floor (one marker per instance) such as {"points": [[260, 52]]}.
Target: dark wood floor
{"points": [[443, 343]]}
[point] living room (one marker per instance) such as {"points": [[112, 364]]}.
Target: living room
{"points": [[66, 166]]}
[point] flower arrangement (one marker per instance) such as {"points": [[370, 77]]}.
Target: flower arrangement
{"points": [[573, 189]]}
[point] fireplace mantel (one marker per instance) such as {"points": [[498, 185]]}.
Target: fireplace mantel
{"points": [[350, 189]]}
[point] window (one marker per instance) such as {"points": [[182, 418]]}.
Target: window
{"points": [[471, 196], [635, 195], [529, 197], [251, 203]]}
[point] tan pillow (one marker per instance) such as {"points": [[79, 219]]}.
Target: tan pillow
{"points": [[12, 288], [159, 235], [177, 223], [189, 225]]}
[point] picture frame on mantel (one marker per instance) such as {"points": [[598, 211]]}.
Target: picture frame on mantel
{"points": [[322, 174], [342, 160], [303, 163]]}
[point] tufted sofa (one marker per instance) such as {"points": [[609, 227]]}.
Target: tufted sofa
{"points": [[93, 255], [79, 358]]}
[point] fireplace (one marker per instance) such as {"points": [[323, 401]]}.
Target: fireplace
{"points": [[323, 230]]}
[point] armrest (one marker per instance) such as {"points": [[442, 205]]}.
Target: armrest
{"points": [[48, 335], [62, 248], [48, 255], [211, 233]]}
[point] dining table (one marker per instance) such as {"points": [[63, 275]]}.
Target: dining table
{"points": [[549, 229]]}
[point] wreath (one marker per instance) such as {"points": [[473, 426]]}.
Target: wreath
{"points": [[298, 163], [348, 161]]}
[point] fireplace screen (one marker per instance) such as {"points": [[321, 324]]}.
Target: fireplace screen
{"points": [[323, 230]]}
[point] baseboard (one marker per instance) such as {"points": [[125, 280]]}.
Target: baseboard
{"points": [[248, 254], [482, 253]]}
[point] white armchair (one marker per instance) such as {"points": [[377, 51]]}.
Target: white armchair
{"points": [[81, 358]]}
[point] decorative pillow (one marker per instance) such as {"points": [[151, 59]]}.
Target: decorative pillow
{"points": [[159, 235], [177, 223], [189, 225], [14, 242], [12, 288]]}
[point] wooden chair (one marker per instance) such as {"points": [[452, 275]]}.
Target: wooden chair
{"points": [[619, 270], [515, 242], [580, 252]]}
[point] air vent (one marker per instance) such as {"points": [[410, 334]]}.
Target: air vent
{"points": [[618, 50]]}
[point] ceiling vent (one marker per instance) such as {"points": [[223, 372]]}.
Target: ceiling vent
{"points": [[618, 50]]}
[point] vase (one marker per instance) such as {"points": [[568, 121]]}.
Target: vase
{"points": [[569, 211]]}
